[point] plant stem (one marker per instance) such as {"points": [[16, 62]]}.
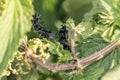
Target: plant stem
{"points": [[84, 61], [73, 43], [100, 54]]}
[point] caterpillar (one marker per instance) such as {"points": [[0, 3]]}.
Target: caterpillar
{"points": [[63, 32], [39, 28], [63, 35]]}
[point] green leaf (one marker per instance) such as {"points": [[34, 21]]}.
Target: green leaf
{"points": [[95, 70], [116, 34], [4, 78], [86, 28], [112, 74], [32, 75], [106, 5], [64, 55], [43, 70], [90, 44], [113, 7], [89, 75], [14, 23], [57, 49], [1, 6]]}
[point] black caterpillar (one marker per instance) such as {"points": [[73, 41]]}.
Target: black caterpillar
{"points": [[48, 34], [63, 35], [39, 28]]}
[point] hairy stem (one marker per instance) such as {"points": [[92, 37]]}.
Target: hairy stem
{"points": [[73, 43], [100, 54], [84, 61]]}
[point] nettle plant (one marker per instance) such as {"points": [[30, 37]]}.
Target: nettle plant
{"points": [[31, 51]]}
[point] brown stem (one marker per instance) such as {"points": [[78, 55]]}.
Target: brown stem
{"points": [[73, 44], [100, 54], [87, 60], [51, 66]]}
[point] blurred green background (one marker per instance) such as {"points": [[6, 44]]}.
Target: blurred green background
{"points": [[56, 12]]}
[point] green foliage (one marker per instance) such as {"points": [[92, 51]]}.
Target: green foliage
{"points": [[63, 55], [111, 15], [33, 75], [15, 21], [77, 8], [95, 29], [103, 19], [112, 74], [44, 48], [95, 70], [1, 6], [113, 8], [45, 7], [4, 78], [93, 43]]}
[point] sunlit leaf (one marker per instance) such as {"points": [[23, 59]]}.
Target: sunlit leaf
{"points": [[14, 23], [112, 74], [112, 6]]}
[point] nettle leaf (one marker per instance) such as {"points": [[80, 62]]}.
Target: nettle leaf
{"points": [[14, 23], [116, 34], [112, 17], [91, 44], [95, 70], [64, 55], [89, 75], [32, 75], [112, 6], [86, 28], [113, 74], [44, 71], [54, 47], [57, 49], [106, 5]]}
